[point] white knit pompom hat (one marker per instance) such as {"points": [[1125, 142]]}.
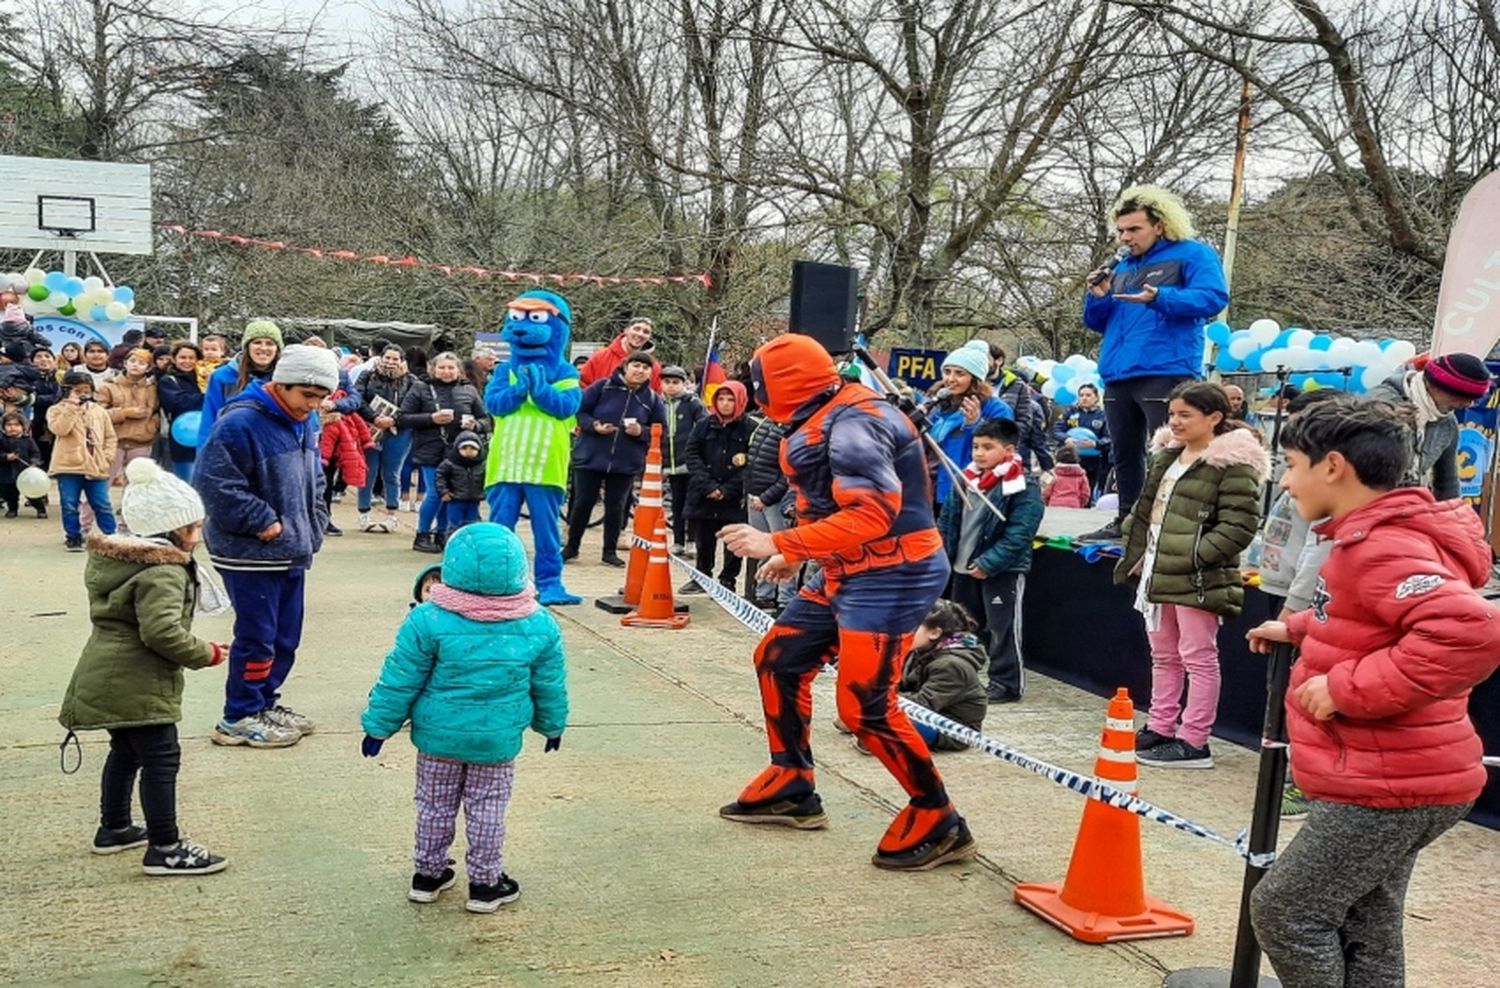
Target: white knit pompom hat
{"points": [[155, 502]]}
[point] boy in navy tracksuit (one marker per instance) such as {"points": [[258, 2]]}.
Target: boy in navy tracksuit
{"points": [[990, 553], [260, 475], [684, 411]]}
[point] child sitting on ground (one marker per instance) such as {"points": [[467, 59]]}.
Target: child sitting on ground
{"points": [[1070, 483], [17, 452], [1378, 704], [991, 550], [460, 481], [143, 590], [473, 667]]}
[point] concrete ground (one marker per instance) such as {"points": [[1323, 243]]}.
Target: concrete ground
{"points": [[629, 876]]}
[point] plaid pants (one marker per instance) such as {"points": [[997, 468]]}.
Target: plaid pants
{"points": [[484, 791]]}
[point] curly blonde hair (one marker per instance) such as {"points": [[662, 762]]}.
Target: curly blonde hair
{"points": [[1160, 206]]}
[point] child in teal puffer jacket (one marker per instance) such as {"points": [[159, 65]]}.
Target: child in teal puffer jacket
{"points": [[474, 665]]}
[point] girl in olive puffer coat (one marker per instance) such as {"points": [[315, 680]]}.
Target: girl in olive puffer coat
{"points": [[1183, 538]]}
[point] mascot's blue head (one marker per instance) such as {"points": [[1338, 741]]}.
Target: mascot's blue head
{"points": [[538, 327]]}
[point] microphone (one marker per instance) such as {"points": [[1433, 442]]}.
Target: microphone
{"points": [[1108, 268], [941, 394]]}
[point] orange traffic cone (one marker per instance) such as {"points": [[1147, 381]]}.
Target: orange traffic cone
{"points": [[656, 609], [1104, 898], [647, 512]]}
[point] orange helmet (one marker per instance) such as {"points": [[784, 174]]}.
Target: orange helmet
{"points": [[788, 372]]}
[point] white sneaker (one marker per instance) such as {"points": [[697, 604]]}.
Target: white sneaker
{"points": [[392, 522], [287, 717], [365, 524], [406, 506], [257, 731]]}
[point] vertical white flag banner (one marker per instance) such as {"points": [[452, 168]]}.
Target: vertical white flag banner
{"points": [[1468, 311]]}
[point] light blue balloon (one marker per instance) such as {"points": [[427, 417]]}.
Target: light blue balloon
{"points": [[1062, 373], [1385, 343], [1239, 334], [1300, 380], [56, 281], [185, 428], [1226, 362], [1283, 338], [73, 287], [97, 314], [1320, 342], [1065, 396], [124, 293], [1252, 362], [1218, 331]]}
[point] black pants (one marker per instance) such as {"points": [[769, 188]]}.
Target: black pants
{"points": [[703, 535], [1094, 468], [679, 486], [586, 484], [996, 603], [11, 495], [154, 754], [1135, 409]]}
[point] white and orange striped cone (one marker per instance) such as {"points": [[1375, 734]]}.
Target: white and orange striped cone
{"points": [[1103, 898], [656, 609], [647, 512]]}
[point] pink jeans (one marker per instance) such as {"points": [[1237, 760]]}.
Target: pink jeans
{"points": [[1185, 647]]}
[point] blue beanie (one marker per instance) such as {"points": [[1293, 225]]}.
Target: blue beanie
{"points": [[973, 356]]}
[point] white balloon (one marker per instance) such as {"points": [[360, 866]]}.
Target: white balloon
{"points": [[1300, 339], [35, 276], [30, 306], [1241, 348], [1372, 376], [33, 482], [1306, 360], [1049, 390], [1366, 353], [1401, 351], [1265, 331], [93, 283], [1076, 361], [115, 311]]}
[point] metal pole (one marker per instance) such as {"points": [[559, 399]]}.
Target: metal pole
{"points": [[1265, 826], [1282, 375]]}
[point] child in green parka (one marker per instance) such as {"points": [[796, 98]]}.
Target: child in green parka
{"points": [[143, 590], [1182, 542], [475, 664]]}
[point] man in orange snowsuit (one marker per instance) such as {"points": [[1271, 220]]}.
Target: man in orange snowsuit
{"points": [[864, 508]]}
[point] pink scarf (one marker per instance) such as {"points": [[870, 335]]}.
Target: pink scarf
{"points": [[482, 607], [1010, 475]]}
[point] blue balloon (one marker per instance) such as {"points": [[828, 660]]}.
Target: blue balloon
{"points": [[73, 287], [97, 314], [1320, 342], [1065, 396], [1089, 434], [1329, 379], [1062, 373], [1300, 380], [1252, 362], [185, 428], [124, 294], [1218, 331], [1239, 334], [1226, 362], [56, 281], [1385, 343], [1283, 338]]}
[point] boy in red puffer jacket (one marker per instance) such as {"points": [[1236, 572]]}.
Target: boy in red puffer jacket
{"points": [[341, 447], [1377, 709]]}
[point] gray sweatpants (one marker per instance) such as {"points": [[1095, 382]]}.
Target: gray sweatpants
{"points": [[1328, 914]]}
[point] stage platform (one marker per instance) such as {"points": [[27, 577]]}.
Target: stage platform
{"points": [[1081, 628]]}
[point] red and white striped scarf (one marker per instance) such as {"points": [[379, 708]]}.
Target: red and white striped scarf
{"points": [[1009, 474]]}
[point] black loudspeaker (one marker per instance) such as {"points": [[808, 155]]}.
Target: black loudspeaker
{"points": [[825, 304]]}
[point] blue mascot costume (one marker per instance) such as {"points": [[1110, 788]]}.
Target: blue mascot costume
{"points": [[534, 397]]}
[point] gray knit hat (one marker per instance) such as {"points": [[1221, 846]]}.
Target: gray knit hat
{"points": [[308, 365]]}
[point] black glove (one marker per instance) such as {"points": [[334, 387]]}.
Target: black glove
{"points": [[370, 746], [553, 744]]}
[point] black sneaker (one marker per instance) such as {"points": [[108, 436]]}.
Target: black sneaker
{"points": [[689, 587], [426, 888], [1146, 739], [426, 542], [73, 543], [488, 898], [994, 695], [569, 555], [181, 858], [1109, 533], [12, 513], [41, 511], [108, 841], [1176, 753], [332, 529], [804, 814], [610, 559], [957, 844]]}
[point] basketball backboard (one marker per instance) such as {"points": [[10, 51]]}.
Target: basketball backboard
{"points": [[85, 206]]}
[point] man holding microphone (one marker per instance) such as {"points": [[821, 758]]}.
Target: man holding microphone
{"points": [[1150, 304]]}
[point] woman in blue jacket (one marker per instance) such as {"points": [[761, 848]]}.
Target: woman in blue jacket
{"points": [[177, 391], [475, 665], [966, 399], [614, 432], [260, 348]]}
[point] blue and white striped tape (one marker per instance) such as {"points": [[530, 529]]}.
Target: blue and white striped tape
{"points": [[760, 622]]}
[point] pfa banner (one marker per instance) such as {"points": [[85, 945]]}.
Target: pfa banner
{"points": [[62, 329], [1476, 442], [919, 368], [1468, 312]]}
